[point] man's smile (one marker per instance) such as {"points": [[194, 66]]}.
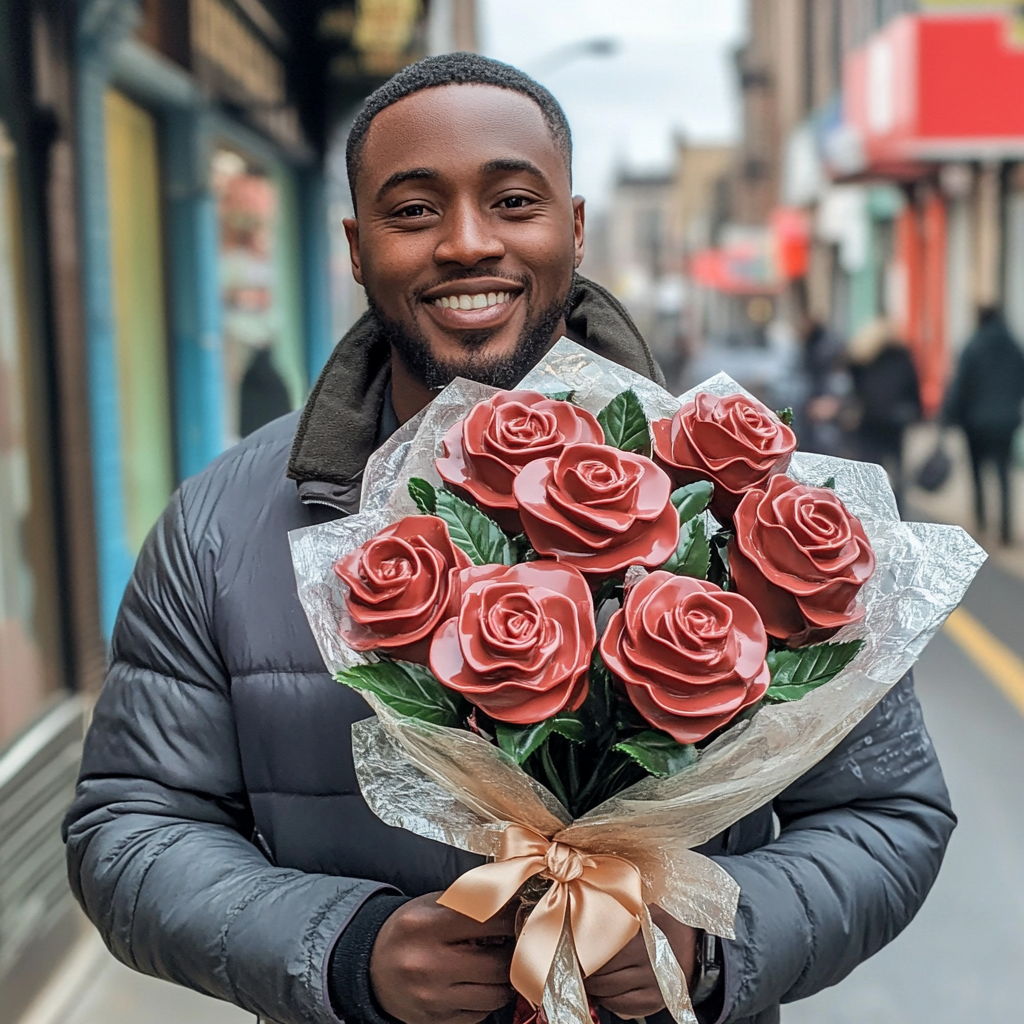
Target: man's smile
{"points": [[483, 302]]}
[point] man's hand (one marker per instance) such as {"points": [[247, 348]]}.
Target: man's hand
{"points": [[431, 965], [626, 984]]}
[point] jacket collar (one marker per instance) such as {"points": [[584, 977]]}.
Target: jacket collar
{"points": [[339, 427]]}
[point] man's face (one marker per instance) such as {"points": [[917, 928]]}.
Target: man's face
{"points": [[466, 235]]}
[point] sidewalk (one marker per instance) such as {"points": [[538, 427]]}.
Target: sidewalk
{"points": [[954, 503], [93, 988]]}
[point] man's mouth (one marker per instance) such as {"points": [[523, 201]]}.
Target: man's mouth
{"points": [[482, 304], [479, 300]]}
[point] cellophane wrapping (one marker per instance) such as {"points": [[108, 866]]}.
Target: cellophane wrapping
{"points": [[455, 787]]}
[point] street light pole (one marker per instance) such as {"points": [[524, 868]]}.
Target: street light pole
{"points": [[562, 55]]}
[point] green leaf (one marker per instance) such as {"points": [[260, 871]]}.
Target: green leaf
{"points": [[693, 552], [830, 483], [718, 571], [786, 415], [658, 753], [520, 741], [423, 493], [409, 689], [567, 725], [624, 423], [480, 537], [691, 499], [559, 396], [796, 672]]}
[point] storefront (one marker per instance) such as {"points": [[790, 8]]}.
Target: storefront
{"points": [[40, 721], [205, 252], [931, 105]]}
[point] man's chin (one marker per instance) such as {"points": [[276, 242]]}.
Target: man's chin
{"points": [[499, 357]]}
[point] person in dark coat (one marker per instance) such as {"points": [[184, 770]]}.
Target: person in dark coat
{"points": [[984, 399], [218, 837], [262, 395], [888, 397]]}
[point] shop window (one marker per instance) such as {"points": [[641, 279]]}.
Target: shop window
{"points": [[29, 636], [264, 368], [147, 469]]}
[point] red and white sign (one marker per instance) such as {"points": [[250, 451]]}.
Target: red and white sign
{"points": [[933, 88]]}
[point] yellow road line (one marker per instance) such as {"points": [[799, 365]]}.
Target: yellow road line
{"points": [[1004, 667]]}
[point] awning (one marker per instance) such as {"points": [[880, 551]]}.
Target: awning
{"points": [[930, 88], [756, 260]]}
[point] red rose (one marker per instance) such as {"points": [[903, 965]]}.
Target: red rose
{"points": [[801, 558], [734, 442], [521, 644], [598, 508], [485, 451], [690, 656], [402, 583]]}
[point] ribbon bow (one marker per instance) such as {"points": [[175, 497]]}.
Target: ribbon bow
{"points": [[601, 894]]}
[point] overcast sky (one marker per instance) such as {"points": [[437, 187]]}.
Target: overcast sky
{"points": [[672, 72]]}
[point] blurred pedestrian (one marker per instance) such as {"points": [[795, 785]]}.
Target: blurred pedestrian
{"points": [[817, 417], [985, 401], [887, 398], [263, 394]]}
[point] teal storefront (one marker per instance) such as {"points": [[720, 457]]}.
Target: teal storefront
{"points": [[205, 255]]}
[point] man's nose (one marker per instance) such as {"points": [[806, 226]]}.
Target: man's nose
{"points": [[469, 237]]}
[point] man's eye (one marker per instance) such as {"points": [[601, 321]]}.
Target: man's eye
{"points": [[416, 210], [516, 202]]}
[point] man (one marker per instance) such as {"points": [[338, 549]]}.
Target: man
{"points": [[985, 401], [218, 838]]}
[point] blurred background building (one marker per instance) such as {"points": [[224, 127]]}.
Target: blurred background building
{"points": [[169, 192]]}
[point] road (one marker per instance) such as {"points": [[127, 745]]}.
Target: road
{"points": [[959, 960]]}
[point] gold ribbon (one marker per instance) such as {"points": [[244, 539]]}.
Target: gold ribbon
{"points": [[602, 896]]}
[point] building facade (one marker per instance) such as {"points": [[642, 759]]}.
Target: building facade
{"points": [[166, 173]]}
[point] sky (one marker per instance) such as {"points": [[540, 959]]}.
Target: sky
{"points": [[672, 73]]}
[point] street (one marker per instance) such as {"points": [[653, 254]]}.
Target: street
{"points": [[956, 962], [959, 959]]}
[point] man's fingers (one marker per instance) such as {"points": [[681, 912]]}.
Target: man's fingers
{"points": [[487, 998], [633, 954], [458, 927], [621, 982], [635, 1004]]}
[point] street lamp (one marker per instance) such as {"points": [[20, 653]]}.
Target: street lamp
{"points": [[562, 55]]}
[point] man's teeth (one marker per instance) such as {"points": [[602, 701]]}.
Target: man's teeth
{"points": [[479, 301]]}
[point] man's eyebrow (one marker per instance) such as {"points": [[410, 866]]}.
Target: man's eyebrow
{"points": [[400, 177], [513, 164]]}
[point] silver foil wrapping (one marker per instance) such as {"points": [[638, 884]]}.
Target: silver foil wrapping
{"points": [[453, 786]]}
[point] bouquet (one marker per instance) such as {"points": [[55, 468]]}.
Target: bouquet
{"points": [[598, 625]]}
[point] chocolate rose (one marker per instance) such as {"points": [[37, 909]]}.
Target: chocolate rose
{"points": [[690, 656], [521, 644], [484, 452], [598, 508], [401, 584], [801, 558], [734, 442]]}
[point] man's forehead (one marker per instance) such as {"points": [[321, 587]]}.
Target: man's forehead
{"points": [[468, 126]]}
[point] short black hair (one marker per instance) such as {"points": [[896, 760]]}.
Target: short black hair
{"points": [[454, 69]]}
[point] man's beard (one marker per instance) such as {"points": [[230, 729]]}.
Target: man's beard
{"points": [[496, 371]]}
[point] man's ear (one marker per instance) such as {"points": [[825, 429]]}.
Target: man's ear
{"points": [[352, 234], [578, 219]]}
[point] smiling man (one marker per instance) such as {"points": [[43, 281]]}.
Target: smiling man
{"points": [[218, 837]]}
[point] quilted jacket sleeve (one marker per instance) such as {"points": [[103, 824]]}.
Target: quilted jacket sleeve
{"points": [[862, 837], [158, 836]]}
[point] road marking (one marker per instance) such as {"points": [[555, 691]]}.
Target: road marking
{"points": [[1003, 666]]}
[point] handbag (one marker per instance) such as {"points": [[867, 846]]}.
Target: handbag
{"points": [[935, 470]]}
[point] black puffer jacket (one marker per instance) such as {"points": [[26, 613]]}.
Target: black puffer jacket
{"points": [[219, 840]]}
